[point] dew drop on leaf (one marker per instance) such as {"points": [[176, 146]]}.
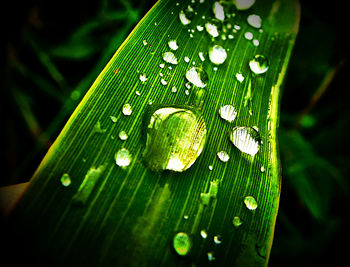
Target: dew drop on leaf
{"points": [[212, 27], [236, 221], [127, 110], [123, 135], [217, 54], [217, 239], [182, 243], [184, 17], [204, 234], [223, 156], [243, 4], [250, 203], [143, 77], [173, 45], [254, 21], [228, 113], [218, 11], [169, 57], [197, 76], [123, 157], [246, 139], [65, 180], [259, 64]]}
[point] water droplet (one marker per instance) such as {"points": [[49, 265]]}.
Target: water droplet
{"points": [[259, 64], [173, 45], [123, 157], [240, 77], [143, 77], [88, 184], [164, 82], [169, 57], [254, 21], [205, 198], [182, 243], [187, 92], [211, 256], [212, 28], [246, 139], [218, 11], [217, 239], [243, 4], [201, 56], [210, 167], [237, 27], [175, 139], [188, 85], [250, 203], [228, 113], [200, 28], [248, 35], [161, 65], [184, 17], [113, 118], [230, 36], [204, 234], [123, 135], [197, 76], [262, 169], [213, 188], [223, 156], [236, 221], [187, 59], [65, 180], [186, 217], [174, 89], [256, 42], [127, 110], [217, 54], [144, 42]]}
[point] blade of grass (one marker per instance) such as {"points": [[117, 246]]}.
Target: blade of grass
{"points": [[131, 214]]}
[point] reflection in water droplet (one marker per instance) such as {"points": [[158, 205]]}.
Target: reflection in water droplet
{"points": [[122, 157], [204, 234], [197, 76], [254, 21], [65, 180], [250, 203], [182, 243], [217, 54], [246, 139], [236, 221], [259, 64], [173, 45], [223, 156], [218, 11], [127, 110], [243, 4], [175, 139], [169, 57], [123, 135], [228, 113]]}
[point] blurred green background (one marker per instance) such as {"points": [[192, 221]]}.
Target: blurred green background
{"points": [[53, 51]]}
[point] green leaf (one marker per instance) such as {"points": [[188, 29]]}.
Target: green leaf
{"points": [[129, 214]]}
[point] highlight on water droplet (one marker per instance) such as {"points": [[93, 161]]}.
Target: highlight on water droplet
{"points": [[197, 76], [182, 243], [217, 54], [259, 64], [243, 4], [236, 221], [173, 45], [228, 113], [123, 135], [123, 157], [246, 139], [169, 57], [143, 77], [254, 21], [240, 77], [223, 156], [218, 11], [65, 180], [127, 110], [217, 239], [250, 203], [175, 139]]}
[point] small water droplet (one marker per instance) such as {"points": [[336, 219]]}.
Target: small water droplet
{"points": [[200, 28], [161, 65], [218, 11], [228, 113], [240, 77], [113, 118], [123, 135], [65, 180], [197, 76], [204, 234], [201, 56], [184, 17], [211, 256], [262, 169], [169, 57], [122, 157], [212, 27], [175, 139], [250, 203], [246, 139], [186, 217], [237, 27], [259, 64], [256, 42], [236, 221], [174, 89], [243, 4], [217, 54], [248, 35], [223, 156], [163, 81], [173, 45], [143, 77], [210, 167], [144, 42], [217, 239], [187, 59], [230, 36], [182, 243], [187, 92], [254, 21], [127, 110]]}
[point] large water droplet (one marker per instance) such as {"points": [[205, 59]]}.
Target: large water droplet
{"points": [[218, 11], [243, 4], [228, 113], [246, 139], [197, 76], [173, 45], [223, 156], [127, 110], [182, 243], [212, 27], [259, 64], [175, 139], [169, 57], [123, 157], [254, 21], [217, 54], [65, 180], [250, 203]]}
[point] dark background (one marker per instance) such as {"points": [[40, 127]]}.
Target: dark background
{"points": [[53, 51]]}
